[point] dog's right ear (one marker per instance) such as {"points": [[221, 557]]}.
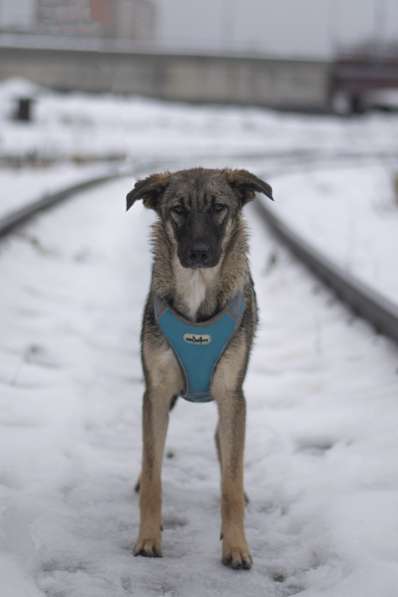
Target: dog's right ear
{"points": [[149, 189]]}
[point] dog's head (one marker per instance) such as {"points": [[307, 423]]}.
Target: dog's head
{"points": [[198, 208]]}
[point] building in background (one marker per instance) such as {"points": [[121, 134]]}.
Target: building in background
{"points": [[65, 17], [133, 20]]}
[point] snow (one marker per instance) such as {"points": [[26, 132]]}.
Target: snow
{"points": [[322, 386], [321, 441], [21, 186], [76, 125], [350, 213], [339, 191]]}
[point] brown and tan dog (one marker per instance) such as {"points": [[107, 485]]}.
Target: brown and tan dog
{"points": [[200, 249]]}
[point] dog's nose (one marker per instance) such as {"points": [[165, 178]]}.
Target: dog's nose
{"points": [[199, 255]]}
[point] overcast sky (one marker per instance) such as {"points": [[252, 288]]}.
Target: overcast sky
{"points": [[284, 27], [312, 28], [16, 12]]}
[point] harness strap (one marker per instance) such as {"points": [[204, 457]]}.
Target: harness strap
{"points": [[199, 346]]}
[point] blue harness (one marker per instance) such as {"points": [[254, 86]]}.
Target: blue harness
{"points": [[199, 346]]}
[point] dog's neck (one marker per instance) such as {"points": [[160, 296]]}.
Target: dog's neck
{"points": [[198, 294], [194, 287]]}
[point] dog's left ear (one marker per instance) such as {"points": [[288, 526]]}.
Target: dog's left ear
{"points": [[149, 189], [247, 185]]}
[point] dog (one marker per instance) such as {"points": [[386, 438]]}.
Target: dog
{"points": [[201, 281]]}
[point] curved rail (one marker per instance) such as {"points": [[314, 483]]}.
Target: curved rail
{"points": [[288, 160], [364, 301], [14, 219]]}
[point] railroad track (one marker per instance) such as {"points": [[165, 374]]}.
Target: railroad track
{"points": [[20, 216], [321, 397], [361, 298]]}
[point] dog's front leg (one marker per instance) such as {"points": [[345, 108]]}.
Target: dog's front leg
{"points": [[155, 422], [163, 382], [232, 418]]}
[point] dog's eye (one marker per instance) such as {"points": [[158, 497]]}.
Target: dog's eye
{"points": [[178, 209], [219, 207]]}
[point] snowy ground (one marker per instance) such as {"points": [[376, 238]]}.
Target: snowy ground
{"points": [[350, 213], [347, 208], [322, 444], [77, 125], [322, 388], [21, 186]]}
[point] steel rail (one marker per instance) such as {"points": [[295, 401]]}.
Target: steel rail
{"points": [[363, 300], [12, 220], [289, 160], [16, 218]]}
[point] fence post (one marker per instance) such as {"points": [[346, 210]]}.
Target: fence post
{"points": [[24, 109]]}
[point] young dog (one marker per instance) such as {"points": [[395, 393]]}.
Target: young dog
{"points": [[198, 328]]}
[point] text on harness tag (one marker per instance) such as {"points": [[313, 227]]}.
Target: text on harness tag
{"points": [[200, 339]]}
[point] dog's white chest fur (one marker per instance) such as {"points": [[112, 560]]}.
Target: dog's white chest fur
{"points": [[192, 286]]}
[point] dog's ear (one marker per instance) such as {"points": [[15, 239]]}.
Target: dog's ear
{"points": [[246, 185], [149, 189]]}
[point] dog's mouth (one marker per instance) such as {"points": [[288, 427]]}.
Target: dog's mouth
{"points": [[190, 265], [187, 266], [198, 260]]}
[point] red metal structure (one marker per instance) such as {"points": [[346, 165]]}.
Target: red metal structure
{"points": [[355, 74]]}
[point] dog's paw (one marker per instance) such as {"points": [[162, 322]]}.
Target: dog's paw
{"points": [[148, 547], [237, 557]]}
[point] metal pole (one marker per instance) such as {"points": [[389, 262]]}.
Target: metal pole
{"points": [[333, 14], [379, 22]]}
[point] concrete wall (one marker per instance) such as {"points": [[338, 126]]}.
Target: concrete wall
{"points": [[199, 78]]}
